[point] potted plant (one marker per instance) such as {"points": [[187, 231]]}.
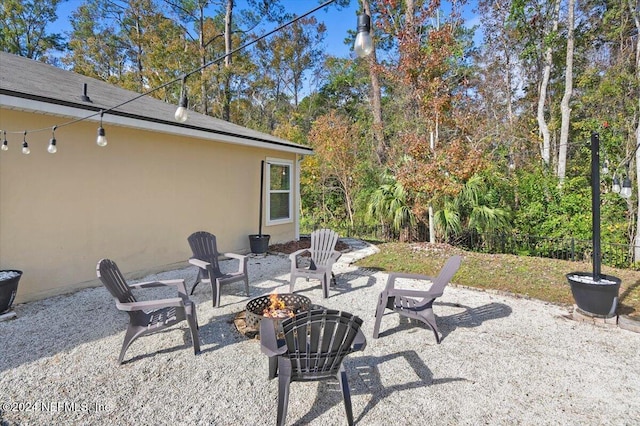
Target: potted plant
{"points": [[594, 292], [8, 288], [259, 242]]}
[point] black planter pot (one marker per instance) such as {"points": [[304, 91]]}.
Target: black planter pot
{"points": [[598, 298], [8, 290], [259, 243]]}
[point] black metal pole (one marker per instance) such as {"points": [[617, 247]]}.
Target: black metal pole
{"points": [[595, 203], [261, 195]]}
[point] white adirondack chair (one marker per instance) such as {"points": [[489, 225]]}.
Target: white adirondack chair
{"points": [[323, 256]]}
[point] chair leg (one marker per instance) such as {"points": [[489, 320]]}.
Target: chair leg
{"points": [[194, 287], [325, 286], [284, 381], [273, 367], [379, 313], [430, 319], [192, 320], [198, 279], [346, 395], [292, 281], [215, 292], [129, 337], [246, 284]]}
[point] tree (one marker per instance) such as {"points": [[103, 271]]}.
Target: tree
{"points": [[23, 28], [336, 143], [568, 89]]}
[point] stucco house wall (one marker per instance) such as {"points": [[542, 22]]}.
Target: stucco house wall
{"points": [[135, 201]]}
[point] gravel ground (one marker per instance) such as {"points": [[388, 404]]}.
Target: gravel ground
{"points": [[502, 361]]}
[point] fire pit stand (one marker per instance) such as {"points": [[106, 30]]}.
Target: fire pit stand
{"points": [[255, 308]]}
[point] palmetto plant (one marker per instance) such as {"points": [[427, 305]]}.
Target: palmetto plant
{"points": [[389, 205], [475, 207]]}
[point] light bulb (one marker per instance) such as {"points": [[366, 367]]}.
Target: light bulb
{"points": [[25, 148], [181, 114], [625, 192], [616, 185], [102, 138], [363, 45], [52, 146], [5, 146]]}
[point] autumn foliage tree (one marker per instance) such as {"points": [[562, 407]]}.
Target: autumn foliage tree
{"points": [[336, 144]]}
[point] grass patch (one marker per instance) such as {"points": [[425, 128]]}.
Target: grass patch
{"points": [[534, 277]]}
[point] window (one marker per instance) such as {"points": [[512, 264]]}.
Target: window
{"points": [[279, 194]]}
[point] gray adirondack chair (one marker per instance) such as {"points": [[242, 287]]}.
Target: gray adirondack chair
{"points": [[149, 316], [206, 258], [313, 346], [323, 256], [416, 304]]}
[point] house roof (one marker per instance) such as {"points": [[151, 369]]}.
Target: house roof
{"points": [[29, 85]]}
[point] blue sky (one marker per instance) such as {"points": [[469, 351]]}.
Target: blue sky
{"points": [[338, 22]]}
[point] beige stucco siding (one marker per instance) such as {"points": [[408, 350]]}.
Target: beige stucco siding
{"points": [[134, 201]]}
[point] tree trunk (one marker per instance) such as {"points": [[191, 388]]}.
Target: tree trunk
{"points": [[568, 89], [228, 21], [203, 62], [542, 92], [376, 98]]}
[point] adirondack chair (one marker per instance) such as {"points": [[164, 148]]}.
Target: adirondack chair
{"points": [[313, 348], [149, 316], [323, 256], [416, 304], [205, 257]]}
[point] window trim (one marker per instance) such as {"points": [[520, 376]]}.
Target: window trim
{"points": [[268, 191]]}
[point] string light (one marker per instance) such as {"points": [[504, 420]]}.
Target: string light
{"points": [[181, 114], [363, 45], [616, 185], [52, 142], [5, 144], [25, 145], [101, 140]]}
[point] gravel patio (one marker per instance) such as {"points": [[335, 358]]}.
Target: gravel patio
{"points": [[503, 361]]}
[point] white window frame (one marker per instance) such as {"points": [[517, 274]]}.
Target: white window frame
{"points": [[268, 191]]}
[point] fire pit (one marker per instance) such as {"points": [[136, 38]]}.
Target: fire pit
{"points": [[277, 306]]}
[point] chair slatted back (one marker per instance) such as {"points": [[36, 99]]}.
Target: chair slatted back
{"points": [[318, 340], [112, 279], [204, 247], [323, 243], [446, 273]]}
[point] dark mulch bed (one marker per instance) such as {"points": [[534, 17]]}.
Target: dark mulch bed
{"points": [[304, 242]]}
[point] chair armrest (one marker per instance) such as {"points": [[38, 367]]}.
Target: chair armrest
{"points": [[335, 255], [395, 275], [146, 305], [298, 253], [411, 293], [359, 342], [199, 263], [244, 260], [235, 256], [162, 283], [268, 341]]}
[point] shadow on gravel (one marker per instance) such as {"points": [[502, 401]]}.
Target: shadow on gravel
{"points": [[469, 317], [365, 379]]}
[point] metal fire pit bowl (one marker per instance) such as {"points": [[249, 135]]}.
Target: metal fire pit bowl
{"points": [[255, 307]]}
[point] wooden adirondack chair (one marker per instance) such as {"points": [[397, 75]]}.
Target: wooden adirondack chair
{"points": [[323, 256], [314, 344], [149, 316], [416, 304]]}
